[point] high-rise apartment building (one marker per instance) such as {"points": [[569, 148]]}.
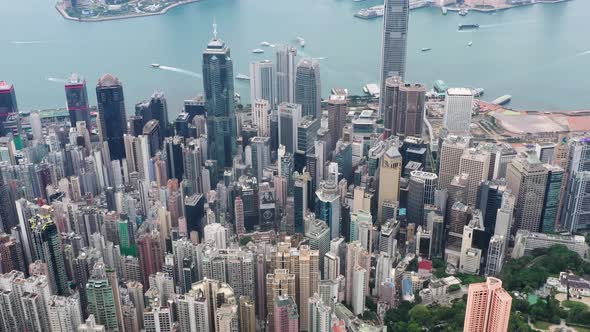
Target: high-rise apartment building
{"points": [[286, 316], [488, 307], [101, 301], [48, 248]]}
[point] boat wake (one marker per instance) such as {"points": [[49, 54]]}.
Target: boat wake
{"points": [[56, 80], [181, 71], [30, 42], [583, 53]]}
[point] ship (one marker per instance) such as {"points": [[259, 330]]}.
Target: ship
{"points": [[502, 100], [444, 10], [371, 12], [463, 12], [258, 51], [470, 43], [468, 26], [425, 49], [242, 77], [155, 65], [264, 43]]}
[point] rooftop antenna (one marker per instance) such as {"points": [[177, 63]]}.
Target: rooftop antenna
{"points": [[214, 28]]}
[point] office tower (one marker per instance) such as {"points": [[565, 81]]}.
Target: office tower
{"points": [[308, 88], [390, 170], [289, 118], [154, 109], [495, 258], [358, 295], [286, 317], [301, 192], [111, 113], [361, 224], [488, 307], [318, 234], [457, 219], [574, 211], [387, 237], [451, 151], [261, 116], [526, 178], [307, 131], [154, 137], [91, 326], [157, 319], [320, 314], [395, 39], [278, 283], [193, 160], [327, 207], [435, 225], [476, 164], [262, 82], [47, 247], [64, 314], [218, 82], [458, 108], [337, 106], [490, 199], [553, 190], [260, 155], [403, 107], [545, 152], [101, 301], [331, 268], [247, 315], [471, 255], [382, 270], [421, 188], [343, 157], [77, 100], [194, 214], [285, 65], [7, 103]]}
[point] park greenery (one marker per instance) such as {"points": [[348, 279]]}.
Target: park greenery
{"points": [[528, 273]]}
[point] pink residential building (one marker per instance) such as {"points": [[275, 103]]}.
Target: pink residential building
{"points": [[286, 317], [488, 307]]}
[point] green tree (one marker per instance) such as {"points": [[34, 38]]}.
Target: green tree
{"points": [[245, 240], [420, 314]]}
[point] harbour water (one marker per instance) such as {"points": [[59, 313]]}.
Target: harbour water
{"points": [[538, 54]]}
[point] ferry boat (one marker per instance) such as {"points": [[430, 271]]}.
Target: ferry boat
{"points": [[242, 77], [155, 65], [463, 12], [478, 92], [468, 26], [264, 43], [258, 51], [444, 10], [426, 49], [371, 12], [470, 43]]}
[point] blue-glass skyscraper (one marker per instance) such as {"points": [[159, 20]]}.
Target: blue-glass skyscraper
{"points": [[218, 82]]}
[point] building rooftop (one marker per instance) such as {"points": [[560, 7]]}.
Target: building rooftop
{"points": [[459, 92]]}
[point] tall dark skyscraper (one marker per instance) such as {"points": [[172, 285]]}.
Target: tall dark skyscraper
{"points": [[154, 109], [403, 108], [218, 82], [111, 112], [395, 39], [48, 248], [77, 99], [308, 88]]}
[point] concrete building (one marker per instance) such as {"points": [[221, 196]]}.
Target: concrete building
{"points": [[389, 172], [451, 151], [285, 76], [476, 164], [289, 118], [64, 313], [526, 178], [488, 307], [286, 317], [458, 108], [262, 82], [421, 189], [526, 241], [247, 317], [404, 108], [308, 88], [261, 116], [91, 326]]}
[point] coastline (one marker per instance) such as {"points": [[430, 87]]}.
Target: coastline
{"points": [[164, 10], [506, 7]]}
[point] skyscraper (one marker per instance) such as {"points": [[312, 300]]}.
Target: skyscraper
{"points": [[449, 160], [7, 102], [328, 205], [48, 248], [390, 171], [261, 116], [458, 108], [476, 164], [526, 177], [421, 189], [218, 82], [553, 190], [286, 74], [286, 317], [289, 119], [260, 155], [77, 100], [262, 82], [488, 307], [337, 105], [111, 112], [404, 108], [395, 39], [308, 88], [575, 214], [101, 301], [247, 315]]}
